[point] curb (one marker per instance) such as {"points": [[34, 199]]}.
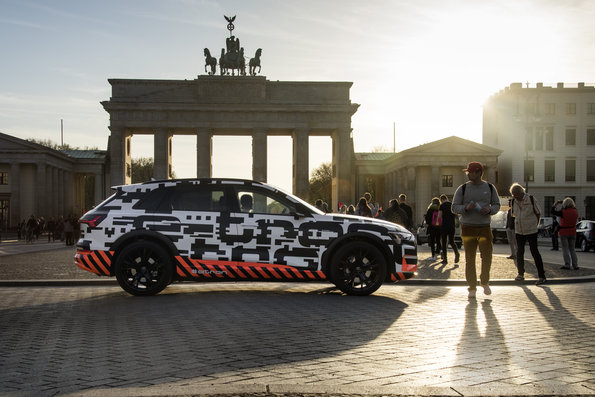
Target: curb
{"points": [[411, 281]]}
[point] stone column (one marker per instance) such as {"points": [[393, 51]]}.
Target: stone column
{"points": [[98, 193], [301, 163], [15, 194], [162, 154], [68, 180], [204, 153], [342, 163], [40, 194], [55, 192], [436, 185], [61, 196], [117, 147], [259, 155], [128, 159]]}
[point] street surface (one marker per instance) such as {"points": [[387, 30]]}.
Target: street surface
{"points": [[297, 338]]}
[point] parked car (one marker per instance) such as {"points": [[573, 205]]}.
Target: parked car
{"points": [[151, 234], [498, 225], [585, 235], [544, 228]]}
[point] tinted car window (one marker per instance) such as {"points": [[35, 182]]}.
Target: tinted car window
{"points": [[262, 203], [193, 198]]}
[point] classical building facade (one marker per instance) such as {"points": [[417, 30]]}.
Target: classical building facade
{"points": [[547, 138], [226, 105], [37, 180], [422, 172]]}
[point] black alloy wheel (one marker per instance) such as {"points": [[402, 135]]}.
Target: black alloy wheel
{"points": [[358, 268], [143, 268]]}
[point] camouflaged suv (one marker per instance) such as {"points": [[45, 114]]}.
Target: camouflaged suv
{"points": [[151, 234]]}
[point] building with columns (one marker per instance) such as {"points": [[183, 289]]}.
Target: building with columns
{"points": [[422, 172], [547, 138], [37, 180], [226, 105]]}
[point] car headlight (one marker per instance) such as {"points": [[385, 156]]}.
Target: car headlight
{"points": [[401, 237]]}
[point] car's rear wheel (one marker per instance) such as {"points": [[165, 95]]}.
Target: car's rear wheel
{"points": [[358, 268], [143, 268]]}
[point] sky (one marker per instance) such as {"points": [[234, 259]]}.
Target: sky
{"points": [[421, 69]]}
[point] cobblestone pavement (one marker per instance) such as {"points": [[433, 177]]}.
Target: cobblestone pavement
{"points": [[297, 339]]}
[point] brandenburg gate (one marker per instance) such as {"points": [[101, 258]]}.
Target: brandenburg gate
{"points": [[232, 105]]}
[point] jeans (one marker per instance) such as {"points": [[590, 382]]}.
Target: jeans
{"points": [[450, 235], [521, 239], [568, 251], [434, 240], [474, 237]]}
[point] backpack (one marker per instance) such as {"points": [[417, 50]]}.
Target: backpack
{"points": [[436, 219], [534, 209]]}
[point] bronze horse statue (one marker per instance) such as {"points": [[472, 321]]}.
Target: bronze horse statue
{"points": [[254, 62], [210, 61]]}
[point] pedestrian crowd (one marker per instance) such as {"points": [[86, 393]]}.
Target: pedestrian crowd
{"points": [[57, 229], [473, 204]]}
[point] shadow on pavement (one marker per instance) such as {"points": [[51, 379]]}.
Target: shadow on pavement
{"points": [[118, 340]]}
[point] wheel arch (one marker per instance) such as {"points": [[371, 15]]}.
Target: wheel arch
{"points": [[142, 235]]}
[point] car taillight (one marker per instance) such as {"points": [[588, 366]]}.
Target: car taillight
{"points": [[93, 221]]}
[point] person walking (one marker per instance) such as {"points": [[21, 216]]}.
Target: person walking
{"points": [[363, 209], [395, 214], [476, 201], [447, 232], [510, 236], [526, 213], [434, 223], [568, 219], [554, 228], [408, 210]]}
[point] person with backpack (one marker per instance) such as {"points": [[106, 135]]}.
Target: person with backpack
{"points": [[476, 201], [434, 226], [526, 213]]}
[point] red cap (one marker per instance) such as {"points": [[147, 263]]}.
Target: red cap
{"points": [[474, 166]]}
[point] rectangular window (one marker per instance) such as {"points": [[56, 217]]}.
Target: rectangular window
{"points": [[591, 136], [550, 108], [529, 139], [570, 137], [549, 138], [529, 170], [571, 108], [590, 170], [446, 180], [550, 170], [3, 178], [539, 139], [590, 108], [570, 170], [548, 202]]}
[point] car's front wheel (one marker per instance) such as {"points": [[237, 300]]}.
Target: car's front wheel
{"points": [[358, 268], [143, 268]]}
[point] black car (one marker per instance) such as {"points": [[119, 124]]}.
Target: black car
{"points": [[148, 235]]}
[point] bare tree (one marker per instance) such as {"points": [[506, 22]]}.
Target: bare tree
{"points": [[321, 183]]}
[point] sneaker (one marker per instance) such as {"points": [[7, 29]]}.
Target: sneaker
{"points": [[520, 277], [565, 268], [511, 257], [471, 293], [487, 290], [457, 257], [444, 261], [540, 281], [576, 268]]}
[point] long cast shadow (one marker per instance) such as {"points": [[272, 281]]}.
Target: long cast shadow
{"points": [[119, 340]]}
